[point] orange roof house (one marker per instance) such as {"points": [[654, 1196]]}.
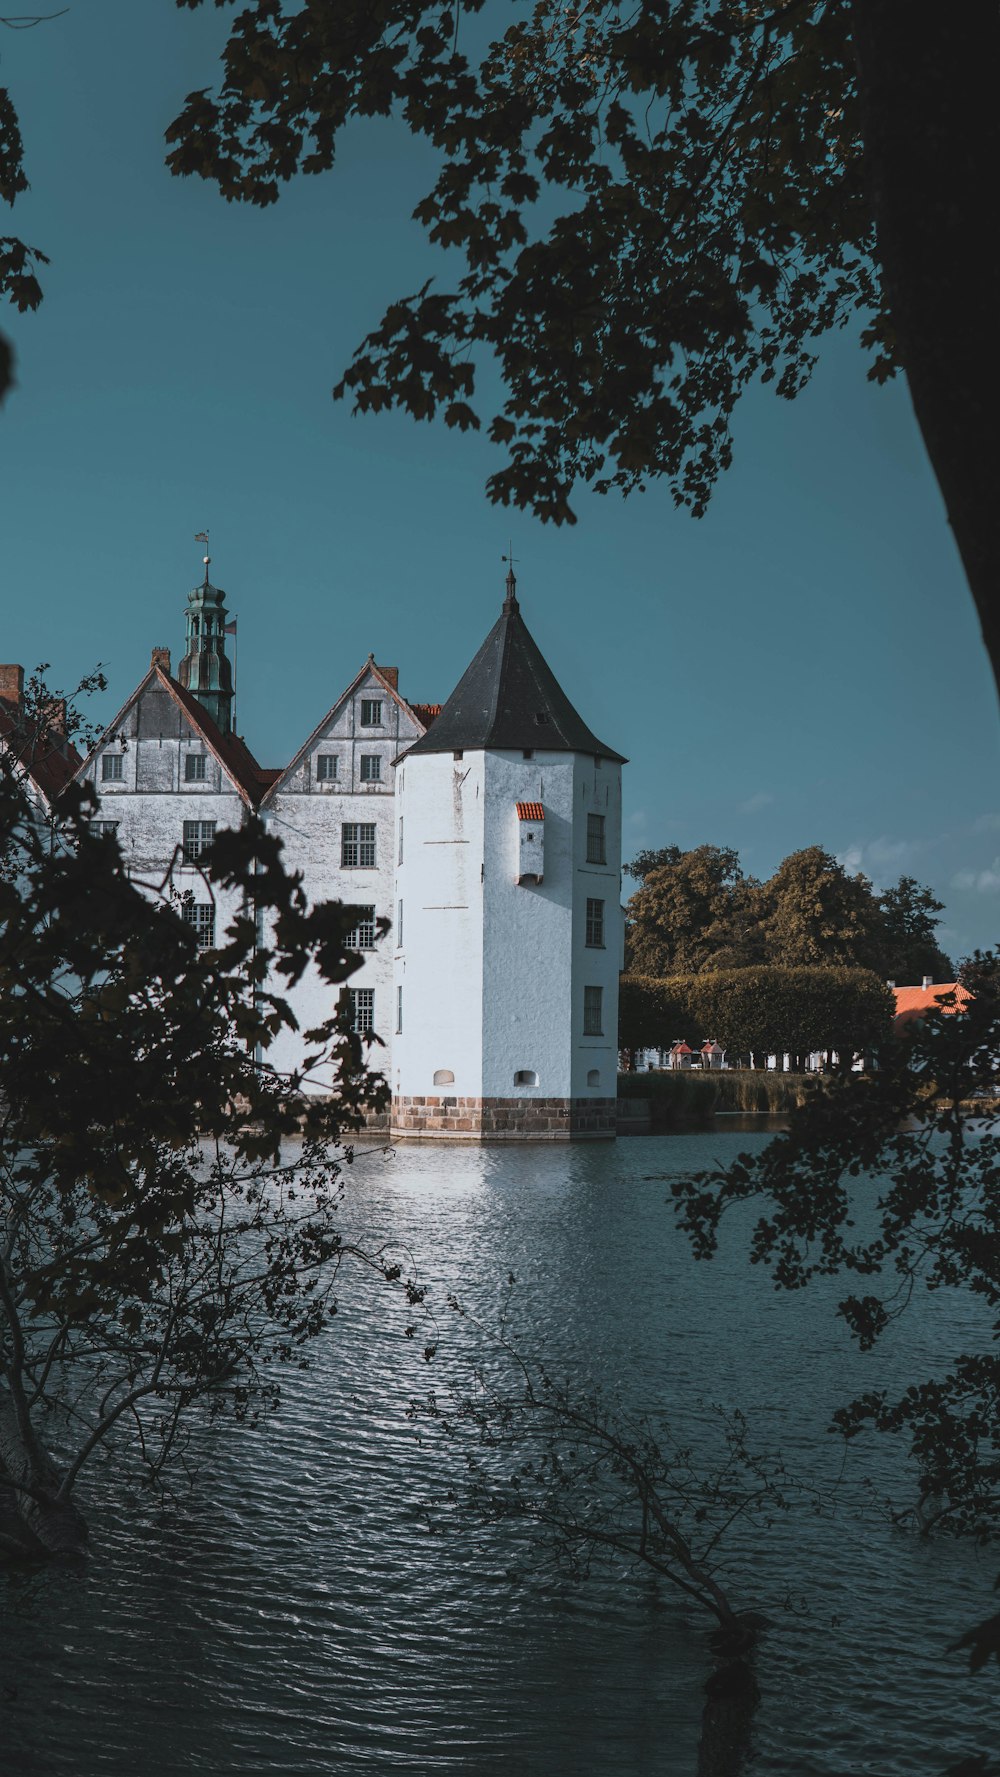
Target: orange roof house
{"points": [[916, 1002]]}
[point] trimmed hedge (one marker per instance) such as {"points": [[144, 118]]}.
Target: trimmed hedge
{"points": [[764, 1011]]}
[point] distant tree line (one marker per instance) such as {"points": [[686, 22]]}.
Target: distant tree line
{"points": [[697, 912]]}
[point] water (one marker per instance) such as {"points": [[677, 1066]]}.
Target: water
{"points": [[293, 1615]]}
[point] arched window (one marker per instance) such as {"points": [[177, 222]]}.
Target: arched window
{"points": [[525, 1076], [444, 1077], [594, 1077]]}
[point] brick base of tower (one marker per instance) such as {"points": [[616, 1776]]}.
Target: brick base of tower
{"points": [[504, 1119]]}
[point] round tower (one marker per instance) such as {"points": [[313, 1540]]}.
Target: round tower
{"points": [[509, 926]]}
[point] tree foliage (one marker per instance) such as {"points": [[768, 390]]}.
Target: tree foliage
{"points": [[657, 205], [695, 910], [892, 1180], [760, 1011], [169, 1206]]}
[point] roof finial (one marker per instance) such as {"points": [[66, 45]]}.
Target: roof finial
{"points": [[510, 602], [202, 537]]}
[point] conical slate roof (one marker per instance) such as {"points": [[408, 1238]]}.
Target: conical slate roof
{"points": [[510, 698]]}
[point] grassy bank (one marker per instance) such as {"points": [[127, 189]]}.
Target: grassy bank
{"points": [[679, 1100]]}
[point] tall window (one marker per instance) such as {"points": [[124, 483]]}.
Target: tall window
{"points": [[198, 836], [596, 852], [399, 860], [371, 768], [327, 767], [200, 915], [595, 925], [363, 935], [362, 1008], [195, 768], [399, 1010], [592, 1011], [112, 768], [371, 712], [399, 925], [357, 845]]}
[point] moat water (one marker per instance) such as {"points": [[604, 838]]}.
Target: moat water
{"points": [[291, 1615]]}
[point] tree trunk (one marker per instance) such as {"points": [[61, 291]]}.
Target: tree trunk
{"points": [[52, 1526], [932, 129]]}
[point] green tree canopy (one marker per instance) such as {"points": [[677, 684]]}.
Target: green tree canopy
{"points": [[657, 204], [760, 1011], [812, 912], [691, 907], [909, 917], [169, 1202]]}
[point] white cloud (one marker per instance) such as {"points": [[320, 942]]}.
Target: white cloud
{"points": [[984, 882], [754, 804], [987, 823], [881, 859], [637, 820]]}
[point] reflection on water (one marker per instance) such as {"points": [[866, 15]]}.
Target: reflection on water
{"points": [[294, 1616]]}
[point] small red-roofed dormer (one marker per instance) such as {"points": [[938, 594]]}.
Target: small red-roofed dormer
{"points": [[681, 1056], [530, 841], [713, 1055]]}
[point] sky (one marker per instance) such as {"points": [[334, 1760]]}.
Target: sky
{"points": [[802, 666]]}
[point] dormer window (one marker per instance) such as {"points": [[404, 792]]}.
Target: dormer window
{"points": [[371, 712], [530, 841]]}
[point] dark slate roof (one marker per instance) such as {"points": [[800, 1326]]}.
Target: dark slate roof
{"points": [[510, 698]]}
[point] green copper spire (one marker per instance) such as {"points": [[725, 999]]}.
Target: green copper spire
{"points": [[205, 671]]}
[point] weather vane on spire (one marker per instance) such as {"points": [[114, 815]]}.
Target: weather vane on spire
{"points": [[511, 576], [202, 537]]}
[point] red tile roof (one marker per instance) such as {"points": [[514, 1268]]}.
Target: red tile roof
{"points": [[426, 712], [50, 765], [914, 1002], [530, 811], [250, 778]]}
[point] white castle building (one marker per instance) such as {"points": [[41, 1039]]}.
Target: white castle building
{"points": [[486, 832]]}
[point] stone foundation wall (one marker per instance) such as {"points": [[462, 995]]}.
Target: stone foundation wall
{"points": [[504, 1119]]}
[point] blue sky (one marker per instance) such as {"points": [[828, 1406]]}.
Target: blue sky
{"points": [[802, 666]]}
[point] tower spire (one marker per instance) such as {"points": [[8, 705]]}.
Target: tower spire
{"points": [[510, 602], [205, 670]]}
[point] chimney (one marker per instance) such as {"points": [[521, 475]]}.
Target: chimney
{"points": [[55, 715], [12, 684], [891, 984], [391, 676], [160, 657], [928, 981]]}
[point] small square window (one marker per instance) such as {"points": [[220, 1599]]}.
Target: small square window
{"points": [[327, 767], [112, 768], [195, 768], [595, 925], [362, 1008], [200, 915], [592, 1011], [371, 768], [198, 836], [371, 712], [357, 845], [596, 844], [363, 935]]}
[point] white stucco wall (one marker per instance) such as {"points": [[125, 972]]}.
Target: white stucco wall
{"points": [[440, 963]]}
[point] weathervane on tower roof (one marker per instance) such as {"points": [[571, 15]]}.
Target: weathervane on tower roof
{"points": [[510, 602], [202, 537]]}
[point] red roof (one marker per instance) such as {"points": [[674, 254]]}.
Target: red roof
{"points": [[530, 811], [250, 778], [914, 1002], [426, 712], [49, 765], [681, 1049]]}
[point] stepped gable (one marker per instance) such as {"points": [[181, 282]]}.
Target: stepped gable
{"points": [[510, 698]]}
